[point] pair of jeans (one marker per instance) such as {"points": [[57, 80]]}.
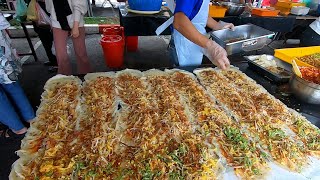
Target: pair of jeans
{"points": [[14, 106]]}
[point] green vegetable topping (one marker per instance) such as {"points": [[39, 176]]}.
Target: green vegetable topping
{"points": [[276, 134], [175, 176], [256, 171], [108, 170], [247, 162], [314, 143], [163, 159], [123, 173], [49, 174], [234, 135], [264, 155], [147, 174], [79, 166], [92, 173]]}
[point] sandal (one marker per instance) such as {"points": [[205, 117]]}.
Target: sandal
{"points": [[4, 133], [9, 134]]}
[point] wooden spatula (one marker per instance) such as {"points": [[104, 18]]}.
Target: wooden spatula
{"points": [[296, 68]]}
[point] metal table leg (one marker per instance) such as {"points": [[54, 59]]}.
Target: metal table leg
{"points": [[33, 52], [90, 13]]}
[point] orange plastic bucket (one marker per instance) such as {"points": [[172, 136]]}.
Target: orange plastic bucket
{"points": [[113, 49], [132, 43], [107, 29]]}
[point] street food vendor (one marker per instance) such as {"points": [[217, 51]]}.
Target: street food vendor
{"points": [[311, 36], [189, 43]]}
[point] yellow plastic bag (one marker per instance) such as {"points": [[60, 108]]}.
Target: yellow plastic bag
{"points": [[32, 14]]}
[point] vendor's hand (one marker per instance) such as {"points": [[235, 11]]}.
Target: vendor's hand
{"points": [[216, 54], [224, 25], [75, 32]]}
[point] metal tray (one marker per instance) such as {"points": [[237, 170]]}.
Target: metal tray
{"points": [[270, 75], [247, 37]]}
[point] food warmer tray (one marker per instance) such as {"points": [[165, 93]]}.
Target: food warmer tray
{"points": [[278, 78], [246, 38]]}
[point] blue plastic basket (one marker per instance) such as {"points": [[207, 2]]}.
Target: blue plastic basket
{"points": [[145, 5]]}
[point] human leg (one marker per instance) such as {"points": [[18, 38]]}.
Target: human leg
{"points": [[17, 96], [60, 42], [46, 38], [81, 52], [8, 115]]}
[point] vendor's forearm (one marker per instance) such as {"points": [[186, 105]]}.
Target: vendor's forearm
{"points": [[186, 28], [212, 24]]}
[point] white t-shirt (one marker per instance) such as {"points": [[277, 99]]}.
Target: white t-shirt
{"points": [[316, 25], [78, 7]]}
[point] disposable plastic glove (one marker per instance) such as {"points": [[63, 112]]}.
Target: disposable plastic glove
{"points": [[216, 54], [224, 25]]}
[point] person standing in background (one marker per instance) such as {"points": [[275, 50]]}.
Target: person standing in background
{"points": [[46, 37], [67, 19], [14, 104]]}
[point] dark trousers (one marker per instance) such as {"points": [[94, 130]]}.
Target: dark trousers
{"points": [[46, 36], [310, 38]]}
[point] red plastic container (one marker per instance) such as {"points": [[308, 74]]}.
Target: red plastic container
{"points": [[132, 43], [107, 29], [113, 49]]}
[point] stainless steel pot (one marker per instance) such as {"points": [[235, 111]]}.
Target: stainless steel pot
{"points": [[304, 90], [233, 9]]}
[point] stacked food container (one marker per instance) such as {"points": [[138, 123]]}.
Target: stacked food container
{"points": [[306, 84]]}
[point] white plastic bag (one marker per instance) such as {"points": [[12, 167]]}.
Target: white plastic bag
{"points": [[43, 18], [53, 49], [68, 50]]}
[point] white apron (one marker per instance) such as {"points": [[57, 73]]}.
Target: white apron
{"points": [[189, 53]]}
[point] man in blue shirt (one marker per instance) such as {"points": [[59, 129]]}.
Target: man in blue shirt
{"points": [[190, 19]]}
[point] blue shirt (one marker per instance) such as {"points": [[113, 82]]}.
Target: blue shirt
{"points": [[189, 7]]}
